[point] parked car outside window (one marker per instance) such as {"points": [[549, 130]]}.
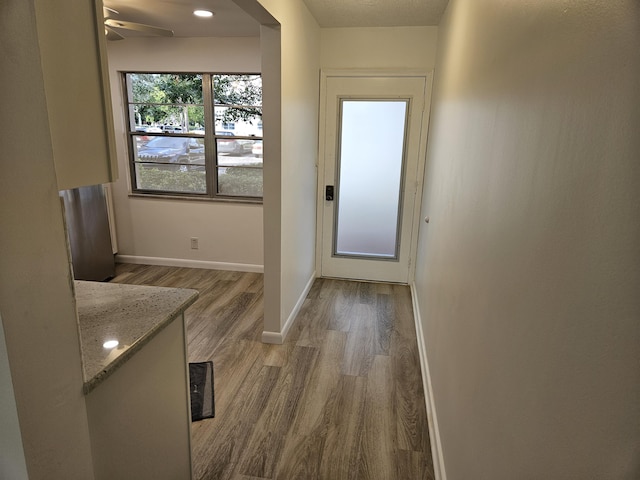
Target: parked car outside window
{"points": [[172, 129], [239, 146], [256, 150], [168, 150]]}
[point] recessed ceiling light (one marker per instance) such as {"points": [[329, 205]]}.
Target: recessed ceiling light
{"points": [[203, 13]]}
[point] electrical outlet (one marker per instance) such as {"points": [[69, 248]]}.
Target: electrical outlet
{"points": [[194, 243]]}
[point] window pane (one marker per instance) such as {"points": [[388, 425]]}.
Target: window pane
{"points": [[371, 157], [165, 88], [237, 90], [171, 178], [172, 164], [239, 168], [168, 150], [240, 181], [240, 121]]}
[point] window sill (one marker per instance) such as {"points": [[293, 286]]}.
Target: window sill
{"points": [[246, 201]]}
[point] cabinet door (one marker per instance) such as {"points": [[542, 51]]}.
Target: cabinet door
{"points": [[74, 64], [140, 417]]}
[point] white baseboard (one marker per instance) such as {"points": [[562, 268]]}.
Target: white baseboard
{"points": [[274, 338], [278, 338], [434, 431], [181, 262]]}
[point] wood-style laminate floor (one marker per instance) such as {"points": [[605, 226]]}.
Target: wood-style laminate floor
{"points": [[341, 399]]}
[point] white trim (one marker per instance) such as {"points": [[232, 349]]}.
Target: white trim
{"points": [[434, 431], [375, 72], [417, 206], [108, 195], [274, 338], [278, 338], [320, 170], [182, 262]]}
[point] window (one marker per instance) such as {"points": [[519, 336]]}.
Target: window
{"points": [[195, 135]]}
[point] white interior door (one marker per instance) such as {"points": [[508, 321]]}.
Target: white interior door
{"points": [[373, 142]]}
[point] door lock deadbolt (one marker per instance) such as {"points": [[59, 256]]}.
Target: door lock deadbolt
{"points": [[328, 193]]}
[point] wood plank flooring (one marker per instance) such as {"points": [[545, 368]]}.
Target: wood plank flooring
{"points": [[342, 399]]}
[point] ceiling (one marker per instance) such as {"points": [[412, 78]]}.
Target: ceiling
{"points": [[231, 21], [376, 13], [177, 15]]}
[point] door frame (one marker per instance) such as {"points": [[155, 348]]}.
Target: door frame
{"points": [[422, 152]]}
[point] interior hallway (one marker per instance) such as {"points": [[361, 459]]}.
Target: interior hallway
{"points": [[341, 399]]}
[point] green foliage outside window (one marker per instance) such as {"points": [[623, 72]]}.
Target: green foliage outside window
{"points": [[241, 182], [235, 181], [172, 180], [243, 92], [156, 95]]}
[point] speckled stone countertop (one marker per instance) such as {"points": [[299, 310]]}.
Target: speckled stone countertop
{"points": [[129, 314]]}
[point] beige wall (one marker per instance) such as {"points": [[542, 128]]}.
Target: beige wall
{"points": [[379, 48], [296, 200], [36, 297], [230, 235], [12, 461], [529, 270]]}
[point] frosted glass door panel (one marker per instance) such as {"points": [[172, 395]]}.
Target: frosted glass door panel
{"points": [[372, 136]]}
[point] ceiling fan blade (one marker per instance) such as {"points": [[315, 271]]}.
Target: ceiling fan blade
{"points": [[138, 27], [112, 34]]}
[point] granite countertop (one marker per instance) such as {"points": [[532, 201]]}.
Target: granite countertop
{"points": [[130, 314]]}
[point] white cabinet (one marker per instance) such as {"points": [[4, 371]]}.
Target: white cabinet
{"points": [[139, 417], [78, 100]]}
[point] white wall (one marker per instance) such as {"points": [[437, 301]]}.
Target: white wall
{"points": [[230, 234], [296, 200], [379, 48], [36, 296], [528, 273]]}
